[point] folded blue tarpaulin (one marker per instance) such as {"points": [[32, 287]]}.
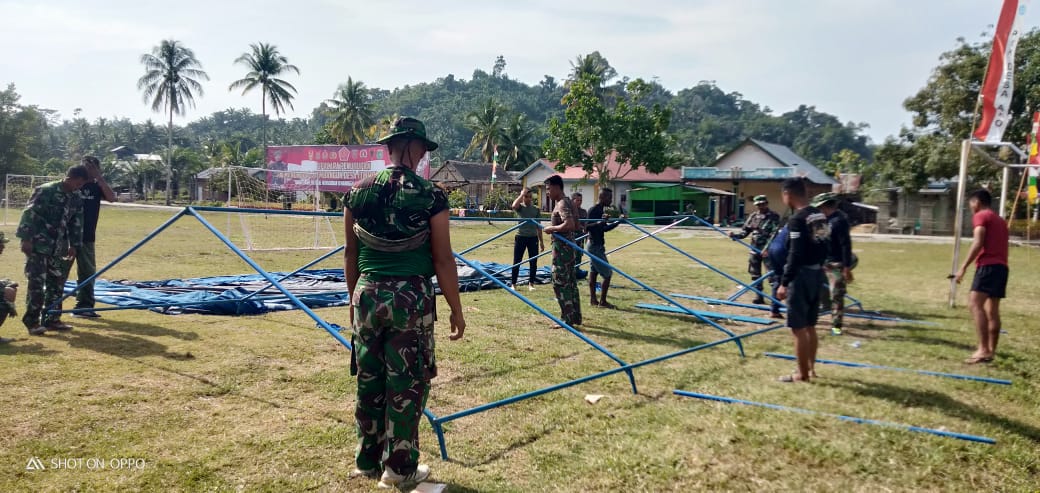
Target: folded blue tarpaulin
{"points": [[219, 295]]}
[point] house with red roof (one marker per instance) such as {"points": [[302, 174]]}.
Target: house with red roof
{"points": [[622, 180]]}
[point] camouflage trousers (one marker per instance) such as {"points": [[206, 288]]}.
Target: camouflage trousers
{"points": [[834, 298], [45, 276], [565, 281], [393, 360], [754, 265]]}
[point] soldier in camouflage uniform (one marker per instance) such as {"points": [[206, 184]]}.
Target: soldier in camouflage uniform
{"points": [[565, 257], [51, 231], [10, 293], [840, 259], [760, 225], [397, 239]]}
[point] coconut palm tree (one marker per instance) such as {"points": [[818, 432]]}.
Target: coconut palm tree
{"points": [[171, 82], [486, 124], [595, 65], [265, 65], [517, 146], [352, 113]]}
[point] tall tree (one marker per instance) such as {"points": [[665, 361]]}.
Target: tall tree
{"points": [[486, 124], [596, 66], [590, 131], [266, 64], [170, 82], [517, 147], [943, 114], [352, 113]]}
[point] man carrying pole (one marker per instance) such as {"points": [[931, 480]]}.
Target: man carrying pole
{"points": [[564, 224], [760, 225]]}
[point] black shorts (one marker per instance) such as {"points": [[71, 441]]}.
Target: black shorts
{"points": [[991, 280], [803, 298]]}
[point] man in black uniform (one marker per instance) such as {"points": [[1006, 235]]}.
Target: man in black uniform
{"points": [[92, 194], [760, 225], [840, 260], [803, 277]]}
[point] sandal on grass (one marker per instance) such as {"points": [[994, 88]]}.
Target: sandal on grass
{"points": [[791, 379], [974, 360]]}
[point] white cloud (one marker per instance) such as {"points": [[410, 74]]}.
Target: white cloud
{"points": [[856, 58]]}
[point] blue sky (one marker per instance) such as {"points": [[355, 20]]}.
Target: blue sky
{"points": [[857, 59]]}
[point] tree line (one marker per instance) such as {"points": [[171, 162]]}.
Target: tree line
{"points": [[472, 118]]}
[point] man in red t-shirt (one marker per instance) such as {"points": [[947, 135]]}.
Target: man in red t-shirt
{"points": [[989, 251]]}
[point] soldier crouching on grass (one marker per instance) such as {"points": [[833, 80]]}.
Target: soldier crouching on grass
{"points": [[51, 231], [10, 288]]}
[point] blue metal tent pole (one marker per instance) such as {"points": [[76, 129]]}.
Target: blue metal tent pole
{"points": [[266, 275], [297, 271], [536, 257], [118, 259], [705, 264], [723, 233], [744, 289], [865, 316], [641, 238], [850, 364], [730, 400], [594, 376], [659, 294], [272, 212], [552, 317], [495, 237]]}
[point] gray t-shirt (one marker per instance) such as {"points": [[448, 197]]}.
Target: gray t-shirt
{"points": [[527, 211]]}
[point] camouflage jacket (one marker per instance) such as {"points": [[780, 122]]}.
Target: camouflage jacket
{"points": [[395, 204], [761, 227], [53, 220]]}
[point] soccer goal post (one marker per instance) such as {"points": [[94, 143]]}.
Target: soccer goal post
{"points": [[18, 190], [257, 188]]}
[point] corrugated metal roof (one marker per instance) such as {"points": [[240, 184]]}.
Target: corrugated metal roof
{"points": [[788, 157]]}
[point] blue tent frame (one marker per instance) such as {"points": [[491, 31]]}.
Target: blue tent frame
{"points": [[437, 422]]}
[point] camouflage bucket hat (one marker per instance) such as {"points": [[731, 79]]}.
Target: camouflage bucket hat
{"points": [[760, 199], [410, 128], [823, 198]]}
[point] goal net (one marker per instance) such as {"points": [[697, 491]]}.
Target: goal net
{"points": [[18, 190], [280, 228]]}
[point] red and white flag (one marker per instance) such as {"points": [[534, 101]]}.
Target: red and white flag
{"points": [[1000, 76]]}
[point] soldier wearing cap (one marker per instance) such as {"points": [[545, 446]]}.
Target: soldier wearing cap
{"points": [[840, 259], [10, 289], [397, 235], [760, 225]]}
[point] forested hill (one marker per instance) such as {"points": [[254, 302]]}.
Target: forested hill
{"points": [[706, 120]]}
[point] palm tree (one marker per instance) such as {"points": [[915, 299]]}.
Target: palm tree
{"points": [[595, 65], [171, 81], [352, 113], [265, 64], [517, 144], [486, 124]]}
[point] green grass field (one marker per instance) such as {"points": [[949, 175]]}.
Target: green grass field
{"points": [[265, 403]]}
